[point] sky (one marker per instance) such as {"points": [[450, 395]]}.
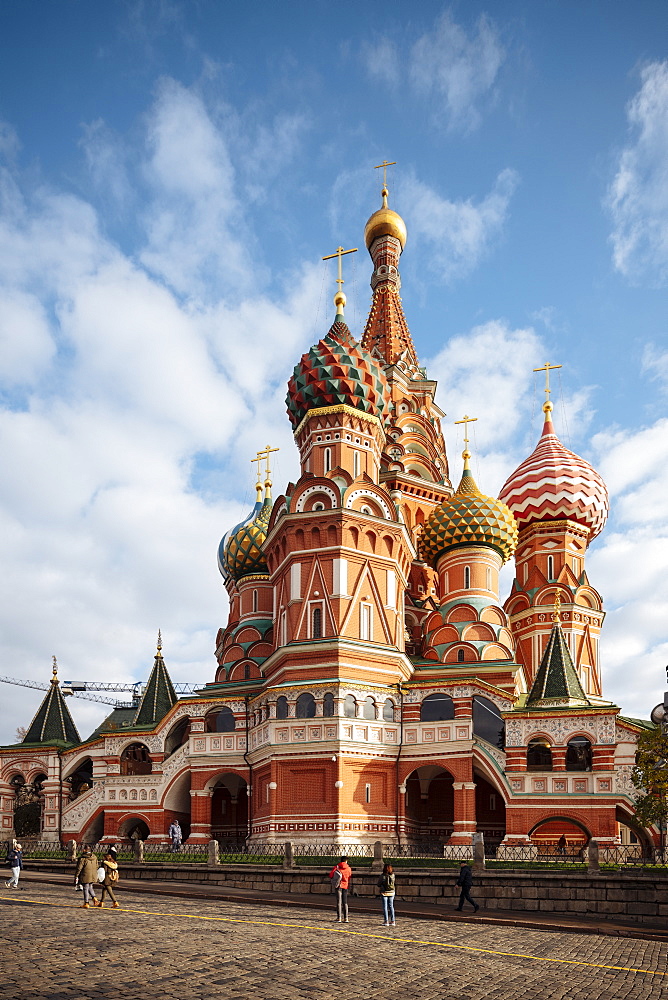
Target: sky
{"points": [[172, 173]]}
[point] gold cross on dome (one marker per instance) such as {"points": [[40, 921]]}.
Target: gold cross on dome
{"points": [[340, 252], [466, 421], [547, 369], [265, 455], [556, 614], [385, 164]]}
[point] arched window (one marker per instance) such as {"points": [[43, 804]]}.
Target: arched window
{"points": [[388, 710], [221, 721], [328, 705], [282, 707], [460, 656], [255, 600], [328, 459], [550, 567], [539, 755], [316, 624], [350, 707], [437, 708], [136, 759], [178, 735], [247, 671], [369, 710], [356, 464], [578, 754], [467, 578], [487, 722], [306, 706], [489, 578]]}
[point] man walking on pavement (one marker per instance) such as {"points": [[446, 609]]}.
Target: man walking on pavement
{"points": [[15, 862], [340, 876], [465, 880]]}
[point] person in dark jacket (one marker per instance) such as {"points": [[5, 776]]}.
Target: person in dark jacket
{"points": [[340, 876], [15, 862], [465, 881], [387, 886], [86, 875]]}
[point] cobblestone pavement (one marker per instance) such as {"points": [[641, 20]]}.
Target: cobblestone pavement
{"points": [[170, 949]]}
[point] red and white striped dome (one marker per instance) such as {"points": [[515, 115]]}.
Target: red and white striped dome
{"points": [[553, 484]]}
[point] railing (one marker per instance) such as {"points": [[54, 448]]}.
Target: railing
{"points": [[632, 856], [540, 856], [45, 849]]}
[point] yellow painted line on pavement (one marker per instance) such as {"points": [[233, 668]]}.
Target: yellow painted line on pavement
{"points": [[362, 934]]}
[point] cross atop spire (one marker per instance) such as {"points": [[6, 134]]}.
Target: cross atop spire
{"points": [[339, 298], [466, 454], [267, 471], [54, 671], [547, 368], [385, 164]]}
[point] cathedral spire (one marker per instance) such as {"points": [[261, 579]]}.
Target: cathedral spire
{"points": [[159, 695], [53, 722], [386, 330]]}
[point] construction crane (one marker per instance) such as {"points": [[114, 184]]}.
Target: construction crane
{"points": [[84, 689]]}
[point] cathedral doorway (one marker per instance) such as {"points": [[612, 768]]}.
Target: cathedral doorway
{"points": [[430, 809], [490, 811], [560, 834], [133, 828], [229, 809]]}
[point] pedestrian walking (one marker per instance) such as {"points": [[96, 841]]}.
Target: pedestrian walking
{"points": [[561, 844], [110, 880], [15, 862], [86, 875], [386, 884], [176, 834], [465, 881], [340, 876]]}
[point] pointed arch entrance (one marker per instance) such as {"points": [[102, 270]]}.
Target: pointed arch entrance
{"points": [[229, 809]]}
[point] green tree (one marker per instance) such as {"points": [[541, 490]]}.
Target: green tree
{"points": [[650, 777]]}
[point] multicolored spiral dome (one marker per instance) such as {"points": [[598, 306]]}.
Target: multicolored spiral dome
{"points": [[468, 517], [555, 484], [240, 551], [336, 371]]}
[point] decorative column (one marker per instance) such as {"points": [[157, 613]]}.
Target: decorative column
{"points": [[200, 816], [401, 814], [558, 758], [464, 825]]}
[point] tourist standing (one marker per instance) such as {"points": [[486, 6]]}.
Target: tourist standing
{"points": [[15, 862], [340, 876], [176, 834], [110, 880], [86, 874], [561, 844], [386, 884], [465, 881]]}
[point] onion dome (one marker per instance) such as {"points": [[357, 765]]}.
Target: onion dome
{"points": [[240, 551], [554, 484], [468, 517], [385, 222], [337, 371]]}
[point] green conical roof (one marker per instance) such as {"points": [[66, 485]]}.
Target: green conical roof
{"points": [[53, 721], [556, 682], [159, 695]]}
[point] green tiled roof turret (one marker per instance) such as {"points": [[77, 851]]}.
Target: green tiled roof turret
{"points": [[53, 722]]}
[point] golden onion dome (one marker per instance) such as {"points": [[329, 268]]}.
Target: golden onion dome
{"points": [[468, 517], [385, 222]]}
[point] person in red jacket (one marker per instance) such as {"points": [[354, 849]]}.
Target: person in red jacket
{"points": [[340, 876]]}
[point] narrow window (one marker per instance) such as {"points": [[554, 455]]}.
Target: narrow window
{"points": [[282, 707], [550, 567], [328, 459], [316, 624], [356, 464], [526, 572], [388, 711], [328, 705], [492, 802], [255, 600], [460, 656], [575, 566], [367, 793], [489, 578], [369, 710], [350, 707], [247, 671], [467, 578], [365, 621]]}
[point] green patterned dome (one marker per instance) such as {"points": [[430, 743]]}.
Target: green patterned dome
{"points": [[468, 517], [337, 371], [240, 551]]}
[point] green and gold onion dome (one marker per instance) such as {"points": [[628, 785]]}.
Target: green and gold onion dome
{"points": [[468, 517], [240, 551], [337, 371]]}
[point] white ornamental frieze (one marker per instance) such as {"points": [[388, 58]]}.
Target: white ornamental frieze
{"points": [[75, 813], [623, 782], [175, 762]]}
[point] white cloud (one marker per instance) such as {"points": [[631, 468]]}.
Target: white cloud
{"points": [[26, 345], [382, 61], [456, 70], [655, 364], [458, 233], [638, 196]]}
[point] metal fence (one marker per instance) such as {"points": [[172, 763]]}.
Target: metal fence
{"points": [[45, 849], [622, 856]]}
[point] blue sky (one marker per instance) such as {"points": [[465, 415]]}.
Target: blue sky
{"points": [[171, 175]]}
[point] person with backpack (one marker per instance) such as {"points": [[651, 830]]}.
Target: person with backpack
{"points": [[465, 881], [110, 879], [15, 862], [340, 876], [386, 885], [86, 875]]}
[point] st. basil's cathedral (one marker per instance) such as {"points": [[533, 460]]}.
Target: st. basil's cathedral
{"points": [[371, 683]]}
